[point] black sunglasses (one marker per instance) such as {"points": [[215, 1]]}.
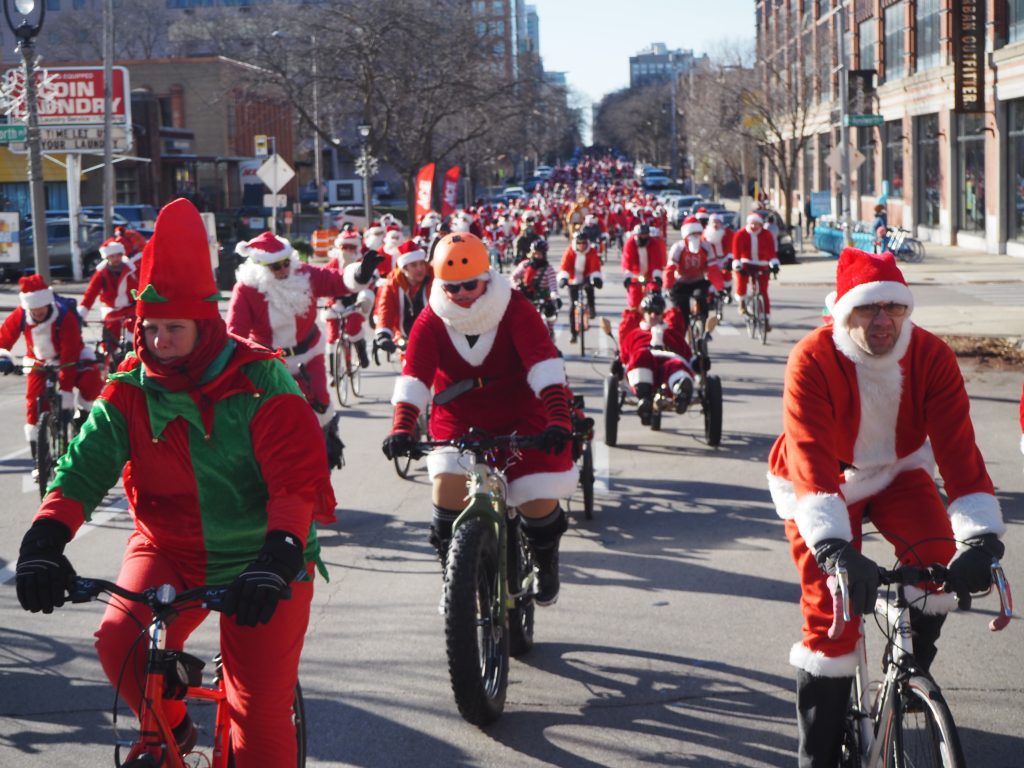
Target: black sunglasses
{"points": [[467, 286], [277, 266]]}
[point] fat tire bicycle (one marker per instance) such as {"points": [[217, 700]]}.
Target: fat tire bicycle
{"points": [[906, 722], [488, 580], [177, 675]]}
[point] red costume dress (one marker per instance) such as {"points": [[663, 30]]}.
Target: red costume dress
{"points": [[652, 355], [500, 343], [642, 261], [755, 253]]}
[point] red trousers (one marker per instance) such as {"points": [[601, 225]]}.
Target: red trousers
{"points": [[314, 383], [261, 664], [86, 380], [910, 515], [762, 282]]}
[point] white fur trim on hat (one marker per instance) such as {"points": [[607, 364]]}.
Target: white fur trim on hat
{"points": [[975, 514], [409, 389], [36, 299], [870, 293], [261, 256], [109, 249], [820, 665], [691, 229], [545, 374], [411, 257], [754, 217]]}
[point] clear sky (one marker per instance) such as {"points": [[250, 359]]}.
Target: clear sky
{"points": [[592, 40]]}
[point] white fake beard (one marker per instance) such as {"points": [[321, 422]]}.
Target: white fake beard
{"points": [[482, 315], [693, 243], [714, 236], [290, 296], [373, 242]]}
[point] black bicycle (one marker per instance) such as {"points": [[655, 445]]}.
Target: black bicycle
{"points": [[56, 427]]}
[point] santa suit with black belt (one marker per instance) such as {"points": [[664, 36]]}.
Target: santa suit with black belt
{"points": [[500, 344], [652, 354], [861, 435], [647, 261], [281, 314]]}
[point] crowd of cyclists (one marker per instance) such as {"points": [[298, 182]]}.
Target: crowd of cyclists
{"points": [[436, 293]]}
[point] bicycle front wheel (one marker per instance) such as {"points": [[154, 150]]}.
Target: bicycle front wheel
{"points": [[520, 587], [477, 643], [587, 480], [355, 376], [46, 462], [762, 318], [920, 731], [340, 374]]}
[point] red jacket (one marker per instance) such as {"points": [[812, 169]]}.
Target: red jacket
{"points": [[579, 268], [743, 246], [648, 262], [392, 300], [112, 288], [58, 339]]}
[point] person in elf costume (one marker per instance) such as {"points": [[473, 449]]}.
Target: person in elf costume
{"points": [[871, 404], [211, 436]]}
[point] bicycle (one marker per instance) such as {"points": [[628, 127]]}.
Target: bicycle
{"points": [[55, 431], [906, 248], [345, 367], [756, 316], [488, 580], [709, 387], [907, 723], [177, 675], [579, 315]]}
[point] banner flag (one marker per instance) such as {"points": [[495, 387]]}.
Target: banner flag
{"points": [[450, 191], [424, 191]]}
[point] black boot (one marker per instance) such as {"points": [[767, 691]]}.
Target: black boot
{"points": [[645, 394], [441, 538], [544, 534], [335, 447], [821, 704], [926, 629], [364, 359]]}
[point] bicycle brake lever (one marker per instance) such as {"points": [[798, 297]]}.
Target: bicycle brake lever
{"points": [[1005, 598], [839, 587]]}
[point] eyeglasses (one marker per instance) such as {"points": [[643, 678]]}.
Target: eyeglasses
{"points": [[892, 309], [277, 266], [468, 286]]}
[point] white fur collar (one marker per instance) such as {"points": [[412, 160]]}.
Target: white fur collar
{"points": [[289, 297], [846, 345], [482, 316]]}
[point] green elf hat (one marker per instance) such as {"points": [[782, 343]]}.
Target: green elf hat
{"points": [[176, 277]]}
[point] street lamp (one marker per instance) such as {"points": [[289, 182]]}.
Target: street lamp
{"points": [[26, 23], [364, 168]]}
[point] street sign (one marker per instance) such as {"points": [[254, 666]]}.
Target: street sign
{"points": [[71, 95], [83, 139], [864, 121], [834, 159], [275, 173], [275, 201], [12, 132], [260, 140]]}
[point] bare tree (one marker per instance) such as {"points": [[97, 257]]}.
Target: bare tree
{"points": [[638, 122], [140, 31]]}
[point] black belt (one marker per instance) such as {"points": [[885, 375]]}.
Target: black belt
{"points": [[452, 391], [302, 346]]}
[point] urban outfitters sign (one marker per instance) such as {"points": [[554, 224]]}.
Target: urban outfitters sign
{"points": [[969, 56]]}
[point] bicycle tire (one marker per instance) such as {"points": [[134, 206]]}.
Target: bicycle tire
{"points": [[762, 318], [916, 252], [713, 411], [581, 327], [340, 384], [655, 420], [751, 319], [45, 462], [521, 610], [355, 377], [611, 410], [477, 648], [924, 734], [587, 480]]}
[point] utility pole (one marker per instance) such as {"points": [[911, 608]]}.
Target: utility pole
{"points": [[108, 138], [844, 95], [675, 132]]}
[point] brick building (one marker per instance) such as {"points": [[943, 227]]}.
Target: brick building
{"points": [[946, 78]]}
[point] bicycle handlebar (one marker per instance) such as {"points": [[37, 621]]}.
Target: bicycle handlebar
{"points": [[839, 588], [84, 590], [478, 443]]}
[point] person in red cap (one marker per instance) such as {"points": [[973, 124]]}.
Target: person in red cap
{"points": [[194, 424], [718, 238], [479, 344], [753, 253], [274, 304], [112, 283], [580, 270], [350, 312], [133, 240], [881, 401], [403, 296], [53, 336]]}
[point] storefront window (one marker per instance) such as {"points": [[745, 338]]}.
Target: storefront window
{"points": [[895, 47], [1015, 20], [971, 165], [1015, 175], [809, 165], [866, 172], [892, 161], [926, 34], [929, 172], [868, 40], [824, 147]]}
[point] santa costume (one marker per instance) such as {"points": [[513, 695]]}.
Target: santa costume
{"points": [[719, 241], [653, 355], [642, 260], [398, 304], [753, 251]]}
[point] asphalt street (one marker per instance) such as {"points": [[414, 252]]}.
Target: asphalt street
{"points": [[669, 645]]}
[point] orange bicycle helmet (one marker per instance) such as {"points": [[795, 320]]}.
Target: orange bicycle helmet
{"points": [[460, 256]]}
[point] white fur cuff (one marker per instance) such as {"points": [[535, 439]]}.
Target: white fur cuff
{"points": [[975, 514], [820, 665], [349, 276], [409, 389], [546, 373], [543, 485], [821, 516], [640, 376]]}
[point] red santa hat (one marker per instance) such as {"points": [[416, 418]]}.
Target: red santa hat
{"points": [[348, 238], [266, 248], [691, 226], [410, 252], [34, 292], [866, 278], [111, 247], [176, 276]]}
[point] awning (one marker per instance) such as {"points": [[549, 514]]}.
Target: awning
{"points": [[14, 168]]}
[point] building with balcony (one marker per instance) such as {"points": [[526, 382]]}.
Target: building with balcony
{"points": [[943, 82]]}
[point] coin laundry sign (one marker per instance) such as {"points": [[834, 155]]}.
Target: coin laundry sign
{"points": [[71, 95]]}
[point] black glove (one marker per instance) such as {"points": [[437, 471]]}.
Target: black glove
{"points": [[549, 308], [43, 574], [775, 269], [832, 554], [970, 568], [6, 365], [563, 282], [657, 282], [598, 282], [367, 267], [554, 439], [253, 596], [558, 303], [398, 444], [386, 343], [627, 281]]}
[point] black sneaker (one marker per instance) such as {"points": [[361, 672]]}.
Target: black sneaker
{"points": [[547, 575], [683, 391], [185, 735], [644, 409], [364, 358]]}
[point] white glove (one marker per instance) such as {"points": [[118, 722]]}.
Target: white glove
{"points": [[83, 312], [67, 400]]}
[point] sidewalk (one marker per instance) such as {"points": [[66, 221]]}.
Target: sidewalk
{"points": [[986, 291]]}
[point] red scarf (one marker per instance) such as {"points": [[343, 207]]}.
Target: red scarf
{"points": [[187, 372]]}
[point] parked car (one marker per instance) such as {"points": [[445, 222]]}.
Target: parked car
{"points": [[679, 208], [511, 193], [137, 216], [58, 240], [652, 181]]}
